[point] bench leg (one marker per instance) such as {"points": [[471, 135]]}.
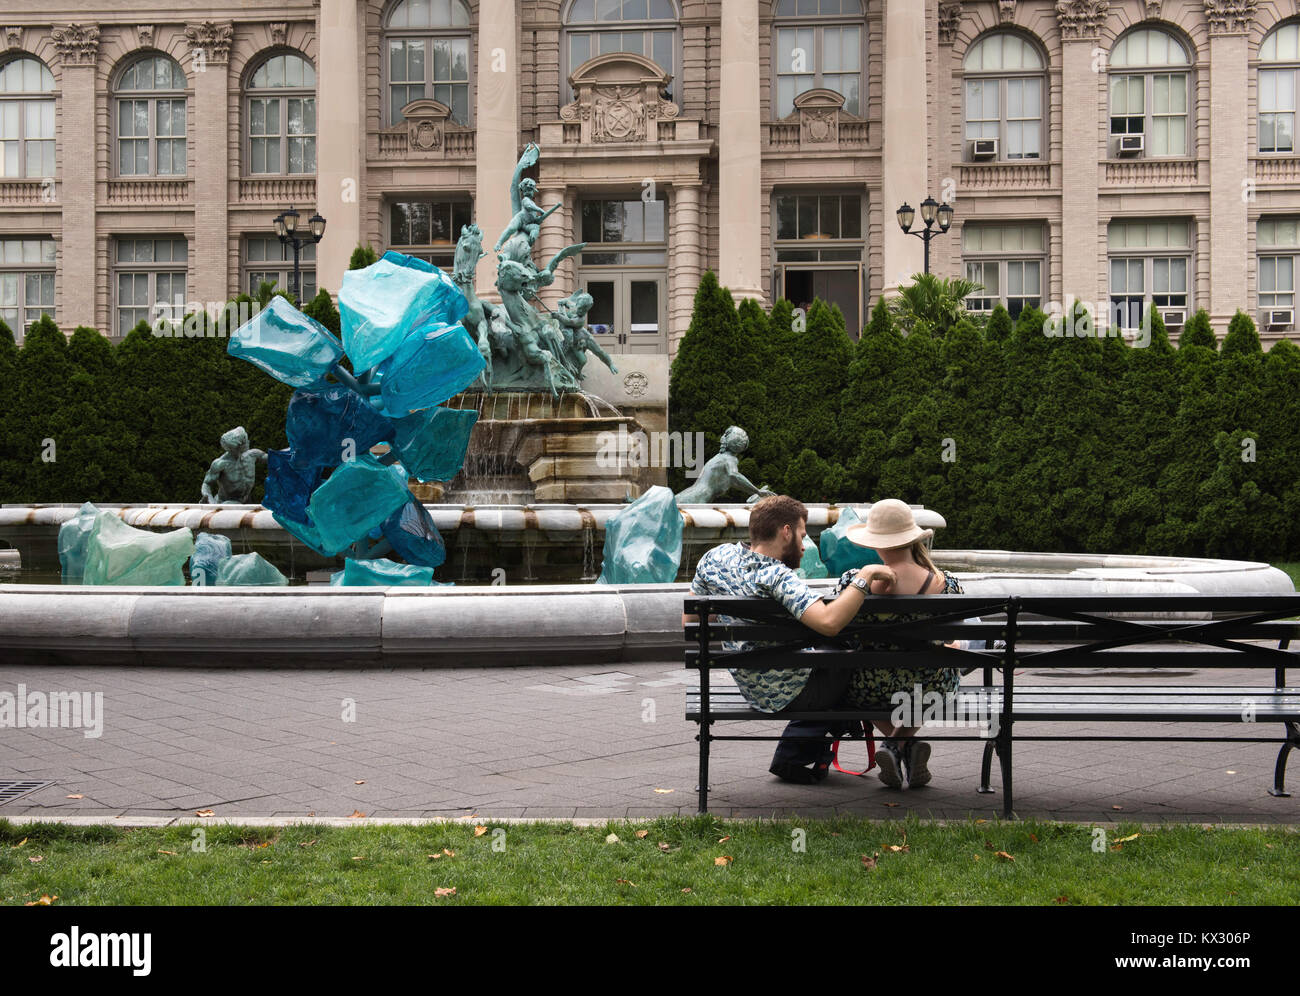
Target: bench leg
{"points": [[985, 766], [1279, 770], [1004, 759], [704, 739]]}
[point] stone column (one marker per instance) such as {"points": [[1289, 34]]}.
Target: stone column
{"points": [[1229, 162], [78, 47], [740, 233], [684, 271], [496, 120], [906, 124], [554, 236], [1080, 151], [208, 279], [339, 139]]}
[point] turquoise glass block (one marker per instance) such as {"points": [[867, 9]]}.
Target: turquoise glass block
{"points": [[413, 535], [381, 571], [288, 489], [290, 346], [358, 496], [123, 555], [433, 442], [811, 565], [249, 570], [380, 305], [74, 537], [428, 367], [210, 551], [838, 554], [330, 424], [643, 542]]}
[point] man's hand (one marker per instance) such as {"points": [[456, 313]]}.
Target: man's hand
{"points": [[879, 572]]}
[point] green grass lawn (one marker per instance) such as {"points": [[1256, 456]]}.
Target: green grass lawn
{"points": [[674, 861], [1293, 569]]}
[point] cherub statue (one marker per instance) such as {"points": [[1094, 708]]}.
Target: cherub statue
{"points": [[722, 473], [527, 215], [571, 314], [234, 473]]}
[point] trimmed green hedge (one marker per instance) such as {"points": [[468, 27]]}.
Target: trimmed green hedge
{"points": [[1021, 440]]}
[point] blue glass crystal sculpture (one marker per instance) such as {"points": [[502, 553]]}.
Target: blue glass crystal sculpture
{"points": [[413, 535], [331, 424], [838, 554], [74, 537], [249, 570], [811, 565], [381, 571], [643, 542], [288, 490], [123, 555], [287, 344], [359, 495], [210, 551], [433, 443], [430, 365]]}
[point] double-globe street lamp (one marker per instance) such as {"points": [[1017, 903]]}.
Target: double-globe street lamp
{"points": [[931, 211], [286, 227]]}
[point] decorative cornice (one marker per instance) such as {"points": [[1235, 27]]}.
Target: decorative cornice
{"points": [[78, 45], [214, 39], [1153, 8], [1081, 19], [13, 38], [949, 21], [279, 32], [1230, 17], [1006, 11], [145, 34]]}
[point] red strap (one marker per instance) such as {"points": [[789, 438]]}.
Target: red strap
{"points": [[871, 755]]}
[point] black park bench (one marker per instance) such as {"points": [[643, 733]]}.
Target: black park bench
{"points": [[1041, 633]]}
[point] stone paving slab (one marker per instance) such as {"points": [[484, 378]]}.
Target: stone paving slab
{"points": [[557, 743]]}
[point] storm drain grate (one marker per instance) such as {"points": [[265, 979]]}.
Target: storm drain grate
{"points": [[11, 790]]}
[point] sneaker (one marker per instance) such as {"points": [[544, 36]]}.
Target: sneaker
{"points": [[915, 763], [890, 763]]}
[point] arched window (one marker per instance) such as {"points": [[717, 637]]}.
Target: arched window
{"points": [[1279, 72], [1149, 95], [598, 27], [280, 109], [428, 46], [151, 110], [818, 43], [26, 119], [1005, 87]]}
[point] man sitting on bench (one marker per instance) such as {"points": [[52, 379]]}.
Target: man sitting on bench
{"points": [[765, 567]]}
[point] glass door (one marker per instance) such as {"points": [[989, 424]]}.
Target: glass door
{"points": [[629, 310]]}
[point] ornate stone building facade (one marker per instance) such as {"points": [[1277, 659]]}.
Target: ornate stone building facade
{"points": [[1121, 152]]}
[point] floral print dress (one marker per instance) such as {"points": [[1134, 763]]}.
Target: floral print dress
{"points": [[872, 688]]}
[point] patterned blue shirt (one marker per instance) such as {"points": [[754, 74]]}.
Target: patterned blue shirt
{"points": [[734, 569]]}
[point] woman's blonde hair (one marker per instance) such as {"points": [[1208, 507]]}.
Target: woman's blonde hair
{"points": [[921, 555]]}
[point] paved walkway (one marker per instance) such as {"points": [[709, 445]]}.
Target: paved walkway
{"points": [[547, 742]]}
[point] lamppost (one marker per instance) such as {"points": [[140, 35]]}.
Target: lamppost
{"points": [[931, 211], [286, 227]]}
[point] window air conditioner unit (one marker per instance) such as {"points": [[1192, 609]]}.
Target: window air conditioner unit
{"points": [[984, 148], [1131, 145], [1279, 318], [1174, 317]]}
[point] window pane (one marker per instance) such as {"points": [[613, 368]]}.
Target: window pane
{"points": [[850, 217], [829, 217], [633, 222], [807, 216], [654, 221], [787, 218]]}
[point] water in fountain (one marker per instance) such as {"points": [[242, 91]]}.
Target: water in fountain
{"points": [[588, 553]]}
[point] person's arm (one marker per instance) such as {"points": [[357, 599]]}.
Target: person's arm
{"points": [[828, 618]]}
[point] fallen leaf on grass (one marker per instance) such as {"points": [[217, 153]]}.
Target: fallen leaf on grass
{"points": [[479, 831], [1062, 899], [612, 839], [723, 840], [1003, 855], [204, 812], [36, 858], [981, 821], [664, 847], [362, 782], [450, 854], [43, 901], [686, 890], [1034, 838], [1125, 840], [623, 881], [308, 843], [869, 861], [724, 859], [892, 805], [161, 851], [895, 848], [1117, 847], [445, 892], [642, 834], [357, 815], [358, 857], [977, 857], [1116, 807], [988, 846], [76, 796], [663, 791], [20, 844], [834, 834], [1269, 846]]}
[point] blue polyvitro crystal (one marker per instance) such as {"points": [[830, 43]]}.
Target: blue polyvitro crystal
{"points": [[430, 365], [359, 495], [381, 571], [304, 532], [327, 425], [381, 304], [74, 537], [288, 489], [210, 551], [838, 554], [413, 535], [249, 570], [643, 542], [433, 442], [811, 566], [121, 554], [290, 346]]}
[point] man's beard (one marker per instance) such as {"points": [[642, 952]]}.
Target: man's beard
{"points": [[792, 555]]}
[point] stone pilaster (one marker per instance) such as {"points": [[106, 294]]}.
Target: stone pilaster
{"points": [[740, 232], [496, 119], [554, 236], [339, 139], [1229, 161], [1080, 22], [906, 125], [209, 259], [78, 48], [685, 231]]}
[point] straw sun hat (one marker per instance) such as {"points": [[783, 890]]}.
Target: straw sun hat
{"points": [[889, 524]]}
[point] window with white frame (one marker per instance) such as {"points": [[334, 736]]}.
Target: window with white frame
{"points": [[643, 27], [1277, 242], [818, 43], [819, 248], [151, 112], [148, 280], [1149, 77], [1005, 83], [1150, 263], [26, 119], [1008, 261], [281, 115], [429, 228], [268, 260], [427, 46], [26, 281], [1279, 76]]}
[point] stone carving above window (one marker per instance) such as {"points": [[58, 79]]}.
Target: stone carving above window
{"points": [[949, 22], [13, 38], [279, 32], [144, 32], [1081, 19], [819, 112], [620, 99], [1006, 11], [426, 131], [78, 44], [1153, 7], [214, 39], [1230, 17]]}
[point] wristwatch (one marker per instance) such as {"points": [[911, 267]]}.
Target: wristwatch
{"points": [[862, 584]]}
